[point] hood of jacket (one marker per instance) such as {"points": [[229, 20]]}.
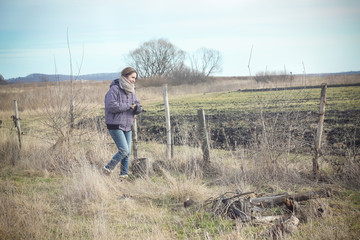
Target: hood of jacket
{"points": [[116, 82]]}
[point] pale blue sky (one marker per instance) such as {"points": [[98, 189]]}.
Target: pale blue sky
{"points": [[322, 35]]}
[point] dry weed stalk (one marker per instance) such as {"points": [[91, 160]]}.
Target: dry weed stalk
{"points": [[67, 104]]}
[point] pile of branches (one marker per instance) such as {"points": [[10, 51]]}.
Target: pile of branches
{"points": [[246, 208]]}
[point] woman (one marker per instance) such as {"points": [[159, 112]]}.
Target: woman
{"points": [[121, 105]]}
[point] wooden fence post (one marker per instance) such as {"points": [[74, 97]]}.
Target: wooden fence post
{"points": [[172, 140], [139, 166], [319, 130], [134, 139], [205, 144], [168, 125], [16, 120]]}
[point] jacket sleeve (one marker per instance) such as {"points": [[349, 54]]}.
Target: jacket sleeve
{"points": [[112, 103]]}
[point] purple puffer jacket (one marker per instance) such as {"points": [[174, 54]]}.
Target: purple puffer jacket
{"points": [[118, 114]]}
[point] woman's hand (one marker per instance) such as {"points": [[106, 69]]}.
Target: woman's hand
{"points": [[133, 106]]}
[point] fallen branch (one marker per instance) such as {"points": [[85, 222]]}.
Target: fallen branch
{"points": [[233, 207]]}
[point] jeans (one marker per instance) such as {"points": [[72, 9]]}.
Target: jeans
{"points": [[122, 140]]}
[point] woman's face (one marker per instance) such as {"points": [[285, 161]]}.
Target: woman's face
{"points": [[131, 77]]}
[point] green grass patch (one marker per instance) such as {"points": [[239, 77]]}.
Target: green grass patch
{"points": [[354, 197], [202, 224], [338, 98]]}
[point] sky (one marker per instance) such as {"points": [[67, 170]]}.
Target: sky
{"points": [[298, 36]]}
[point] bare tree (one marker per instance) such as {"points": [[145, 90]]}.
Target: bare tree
{"points": [[206, 61], [2, 80], [156, 58]]}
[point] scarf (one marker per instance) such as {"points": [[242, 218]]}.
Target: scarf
{"points": [[127, 85]]}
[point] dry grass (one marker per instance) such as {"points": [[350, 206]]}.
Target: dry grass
{"points": [[60, 193], [46, 202]]}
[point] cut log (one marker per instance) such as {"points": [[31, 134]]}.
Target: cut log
{"points": [[313, 194], [281, 199], [270, 201]]}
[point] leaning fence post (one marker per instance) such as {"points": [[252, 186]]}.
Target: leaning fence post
{"points": [[319, 130], [205, 145], [168, 125], [16, 120]]}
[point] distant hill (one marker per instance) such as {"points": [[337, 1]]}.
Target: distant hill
{"points": [[339, 73], [38, 77]]}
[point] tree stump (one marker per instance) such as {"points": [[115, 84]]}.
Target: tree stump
{"points": [[140, 167]]}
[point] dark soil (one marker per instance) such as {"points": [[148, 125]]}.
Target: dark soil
{"points": [[229, 130]]}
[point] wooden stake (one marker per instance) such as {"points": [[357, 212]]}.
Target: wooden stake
{"points": [[16, 120], [168, 125], [205, 145], [319, 130]]}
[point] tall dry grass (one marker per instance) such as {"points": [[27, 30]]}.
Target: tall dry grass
{"points": [[59, 192], [70, 198]]}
